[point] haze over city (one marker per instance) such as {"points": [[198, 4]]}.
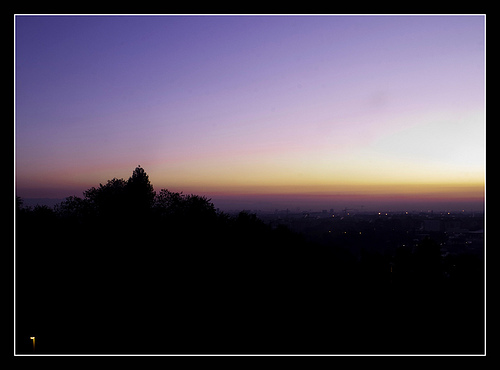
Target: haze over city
{"points": [[255, 111]]}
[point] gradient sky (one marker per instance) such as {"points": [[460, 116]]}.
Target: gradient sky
{"points": [[364, 106]]}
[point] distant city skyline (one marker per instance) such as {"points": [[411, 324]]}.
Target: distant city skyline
{"points": [[350, 110], [315, 203]]}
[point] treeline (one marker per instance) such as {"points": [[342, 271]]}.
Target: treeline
{"points": [[125, 269]]}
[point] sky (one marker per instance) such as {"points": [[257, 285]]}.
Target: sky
{"points": [[346, 110]]}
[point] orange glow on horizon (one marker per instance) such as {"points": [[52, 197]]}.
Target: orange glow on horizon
{"points": [[351, 191]]}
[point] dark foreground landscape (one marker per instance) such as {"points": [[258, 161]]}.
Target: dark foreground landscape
{"points": [[125, 269]]}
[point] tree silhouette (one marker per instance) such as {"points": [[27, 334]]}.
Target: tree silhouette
{"points": [[108, 200], [74, 208], [139, 191], [19, 203], [167, 202]]}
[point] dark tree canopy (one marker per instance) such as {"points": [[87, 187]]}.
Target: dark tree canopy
{"points": [[139, 191], [109, 199]]}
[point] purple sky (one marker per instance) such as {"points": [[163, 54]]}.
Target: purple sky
{"points": [[251, 105]]}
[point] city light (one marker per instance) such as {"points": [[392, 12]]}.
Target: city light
{"points": [[33, 338]]}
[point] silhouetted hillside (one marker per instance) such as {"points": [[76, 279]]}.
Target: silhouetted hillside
{"points": [[125, 269]]}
